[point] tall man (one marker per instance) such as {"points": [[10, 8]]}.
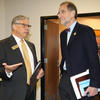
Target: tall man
{"points": [[79, 53], [17, 62]]}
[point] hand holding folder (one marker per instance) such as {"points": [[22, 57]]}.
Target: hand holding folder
{"points": [[80, 83], [34, 79]]}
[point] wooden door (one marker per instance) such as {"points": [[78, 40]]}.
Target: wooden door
{"points": [[52, 56]]}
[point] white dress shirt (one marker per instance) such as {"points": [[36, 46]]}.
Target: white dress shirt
{"points": [[18, 41]]}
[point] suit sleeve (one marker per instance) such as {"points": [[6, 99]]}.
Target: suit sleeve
{"points": [[91, 48], [2, 59]]}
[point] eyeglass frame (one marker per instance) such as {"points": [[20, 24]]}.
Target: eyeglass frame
{"points": [[23, 24]]}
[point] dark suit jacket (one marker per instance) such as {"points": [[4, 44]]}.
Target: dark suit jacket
{"points": [[81, 53], [15, 87]]}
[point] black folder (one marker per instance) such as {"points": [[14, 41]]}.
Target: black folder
{"points": [[34, 79]]}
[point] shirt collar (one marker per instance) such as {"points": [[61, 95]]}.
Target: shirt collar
{"points": [[16, 38], [72, 26]]}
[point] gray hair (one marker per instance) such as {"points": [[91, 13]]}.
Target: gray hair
{"points": [[19, 17]]}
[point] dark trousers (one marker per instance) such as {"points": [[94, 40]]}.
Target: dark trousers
{"points": [[66, 91], [30, 95]]}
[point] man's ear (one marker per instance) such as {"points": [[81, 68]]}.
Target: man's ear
{"points": [[14, 26], [73, 14]]}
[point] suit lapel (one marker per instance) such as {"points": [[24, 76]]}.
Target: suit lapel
{"points": [[12, 44], [65, 38], [73, 35]]}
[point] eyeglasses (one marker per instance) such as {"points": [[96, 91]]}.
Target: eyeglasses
{"points": [[61, 12], [24, 25]]}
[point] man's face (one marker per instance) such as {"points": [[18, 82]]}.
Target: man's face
{"points": [[65, 15], [21, 28]]}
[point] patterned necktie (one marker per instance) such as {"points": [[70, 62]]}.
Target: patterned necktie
{"points": [[67, 29], [67, 37], [27, 61]]}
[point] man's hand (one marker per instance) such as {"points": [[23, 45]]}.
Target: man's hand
{"points": [[11, 68], [40, 74], [91, 91]]}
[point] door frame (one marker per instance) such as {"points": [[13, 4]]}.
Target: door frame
{"points": [[42, 43]]}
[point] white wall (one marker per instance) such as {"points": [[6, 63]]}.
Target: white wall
{"points": [[2, 19], [34, 9]]}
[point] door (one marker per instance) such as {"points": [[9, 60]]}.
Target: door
{"points": [[52, 57]]}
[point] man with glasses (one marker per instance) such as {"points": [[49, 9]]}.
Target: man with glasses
{"points": [[17, 62], [79, 53]]}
